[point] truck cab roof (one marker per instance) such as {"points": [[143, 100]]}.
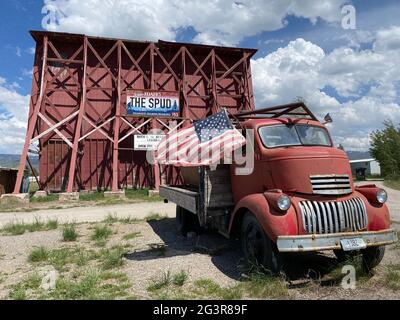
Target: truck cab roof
{"points": [[256, 123]]}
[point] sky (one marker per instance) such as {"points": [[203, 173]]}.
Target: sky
{"points": [[311, 49]]}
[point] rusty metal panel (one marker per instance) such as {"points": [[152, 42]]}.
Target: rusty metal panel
{"points": [[80, 85]]}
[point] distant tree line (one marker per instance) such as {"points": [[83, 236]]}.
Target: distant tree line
{"points": [[385, 147]]}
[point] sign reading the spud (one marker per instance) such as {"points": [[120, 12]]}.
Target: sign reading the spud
{"points": [[153, 103]]}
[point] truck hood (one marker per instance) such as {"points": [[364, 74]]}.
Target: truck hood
{"points": [[292, 169]]}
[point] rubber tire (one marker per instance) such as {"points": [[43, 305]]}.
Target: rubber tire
{"points": [[266, 254], [372, 256], [186, 221]]}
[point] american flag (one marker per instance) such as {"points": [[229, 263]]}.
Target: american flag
{"points": [[203, 143]]}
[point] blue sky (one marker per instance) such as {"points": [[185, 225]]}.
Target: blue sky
{"points": [[303, 51]]}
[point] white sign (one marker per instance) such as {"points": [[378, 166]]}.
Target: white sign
{"points": [[145, 142]]}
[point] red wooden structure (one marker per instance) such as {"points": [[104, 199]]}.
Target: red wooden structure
{"points": [[77, 120]]}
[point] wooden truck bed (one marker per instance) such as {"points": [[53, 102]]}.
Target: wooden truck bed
{"points": [[211, 199]]}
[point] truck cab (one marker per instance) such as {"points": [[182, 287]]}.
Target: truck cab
{"points": [[299, 197]]}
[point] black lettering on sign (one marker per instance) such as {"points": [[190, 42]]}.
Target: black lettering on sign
{"points": [[151, 103]]}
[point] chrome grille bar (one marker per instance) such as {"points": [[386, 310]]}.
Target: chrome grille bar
{"points": [[333, 217], [331, 184]]}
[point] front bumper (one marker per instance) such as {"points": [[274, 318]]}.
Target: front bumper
{"points": [[320, 242]]}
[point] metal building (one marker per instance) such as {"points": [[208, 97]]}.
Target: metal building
{"points": [[78, 116]]}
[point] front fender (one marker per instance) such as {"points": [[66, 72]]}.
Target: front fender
{"points": [[274, 223], [378, 214]]}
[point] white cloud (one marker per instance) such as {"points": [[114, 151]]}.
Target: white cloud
{"points": [[218, 21], [15, 108], [388, 39], [368, 78], [18, 52], [27, 73]]}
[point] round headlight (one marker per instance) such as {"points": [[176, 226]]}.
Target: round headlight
{"points": [[284, 203], [381, 196]]}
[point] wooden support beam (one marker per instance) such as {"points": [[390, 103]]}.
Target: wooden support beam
{"points": [[33, 119], [115, 172], [34, 173], [78, 129], [50, 124], [97, 128], [53, 128], [134, 129]]}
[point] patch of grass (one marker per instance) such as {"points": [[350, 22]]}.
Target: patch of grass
{"points": [[36, 226], [48, 198], [38, 254], [142, 195], [131, 236], [91, 285], [112, 258], [17, 229], [69, 233], [125, 220], [392, 280], [61, 258], [84, 256], [95, 196], [393, 184], [101, 233], [392, 277], [180, 278], [111, 219], [259, 284], [207, 288], [154, 217], [52, 225], [83, 288], [18, 291], [129, 220], [162, 282], [362, 275]]}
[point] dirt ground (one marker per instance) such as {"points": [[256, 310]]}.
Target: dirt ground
{"points": [[159, 263]]}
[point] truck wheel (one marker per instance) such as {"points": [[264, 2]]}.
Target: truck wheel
{"points": [[257, 247], [372, 256], [186, 221]]}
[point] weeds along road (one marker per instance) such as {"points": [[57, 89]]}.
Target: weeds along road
{"points": [[80, 214]]}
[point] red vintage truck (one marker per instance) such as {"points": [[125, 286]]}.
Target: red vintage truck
{"points": [[300, 197]]}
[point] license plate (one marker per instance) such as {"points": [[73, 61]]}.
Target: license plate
{"points": [[353, 244]]}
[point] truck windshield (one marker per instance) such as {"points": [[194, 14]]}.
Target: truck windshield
{"points": [[294, 135]]}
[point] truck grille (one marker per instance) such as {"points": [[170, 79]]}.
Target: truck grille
{"points": [[331, 184], [334, 217]]}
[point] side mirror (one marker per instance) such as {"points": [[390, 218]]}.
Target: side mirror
{"points": [[328, 119]]}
